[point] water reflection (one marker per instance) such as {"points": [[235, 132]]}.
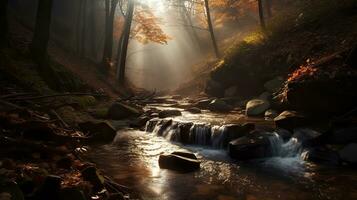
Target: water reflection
{"points": [[132, 160]]}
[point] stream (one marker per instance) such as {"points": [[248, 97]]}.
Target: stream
{"points": [[132, 160]]}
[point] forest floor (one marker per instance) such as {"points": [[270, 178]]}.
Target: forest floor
{"points": [[45, 131]]}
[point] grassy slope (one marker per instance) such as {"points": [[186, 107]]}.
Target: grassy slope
{"points": [[307, 30]]}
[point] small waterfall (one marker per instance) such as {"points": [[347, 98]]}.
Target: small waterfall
{"points": [[218, 136], [279, 148], [189, 133], [200, 134]]}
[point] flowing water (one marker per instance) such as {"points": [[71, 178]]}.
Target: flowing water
{"points": [[132, 160]]}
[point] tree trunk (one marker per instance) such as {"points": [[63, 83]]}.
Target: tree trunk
{"points": [[83, 29], [126, 37], [41, 35], [269, 9], [3, 23], [38, 47], [261, 14], [108, 43], [210, 27]]}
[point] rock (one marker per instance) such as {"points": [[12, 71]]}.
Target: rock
{"points": [[322, 155], [194, 110], [203, 104], [349, 153], [139, 122], [176, 97], [10, 191], [150, 125], [185, 129], [289, 120], [162, 126], [117, 196], [71, 194], [266, 96], [306, 136], [257, 107], [214, 88], [65, 163], [253, 146], [219, 105], [169, 113], [234, 131], [343, 136], [178, 163], [231, 91], [50, 188], [37, 131], [324, 96], [91, 175], [120, 111], [270, 114], [99, 131], [284, 134], [185, 154], [274, 85]]}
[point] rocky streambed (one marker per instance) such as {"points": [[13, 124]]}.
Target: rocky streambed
{"points": [[240, 157]]}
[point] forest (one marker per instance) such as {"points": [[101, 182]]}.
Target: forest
{"points": [[178, 99]]}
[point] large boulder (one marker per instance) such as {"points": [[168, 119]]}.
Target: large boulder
{"points": [[324, 95], [179, 161], [343, 136], [234, 131], [274, 85], [257, 107], [218, 105], [119, 111], [289, 120], [349, 153], [100, 131], [214, 88], [253, 146], [231, 91], [169, 113], [322, 155]]}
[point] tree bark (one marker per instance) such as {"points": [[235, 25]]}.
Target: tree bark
{"points": [[261, 14], [41, 36], [108, 43], [3, 23], [83, 29], [210, 27], [126, 37], [269, 9]]}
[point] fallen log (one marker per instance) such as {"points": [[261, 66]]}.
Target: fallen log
{"points": [[57, 95]]}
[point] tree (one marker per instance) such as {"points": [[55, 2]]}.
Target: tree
{"points": [[41, 35], [261, 14], [39, 44], [3, 23], [210, 28], [125, 41], [81, 27], [110, 8], [269, 8]]}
